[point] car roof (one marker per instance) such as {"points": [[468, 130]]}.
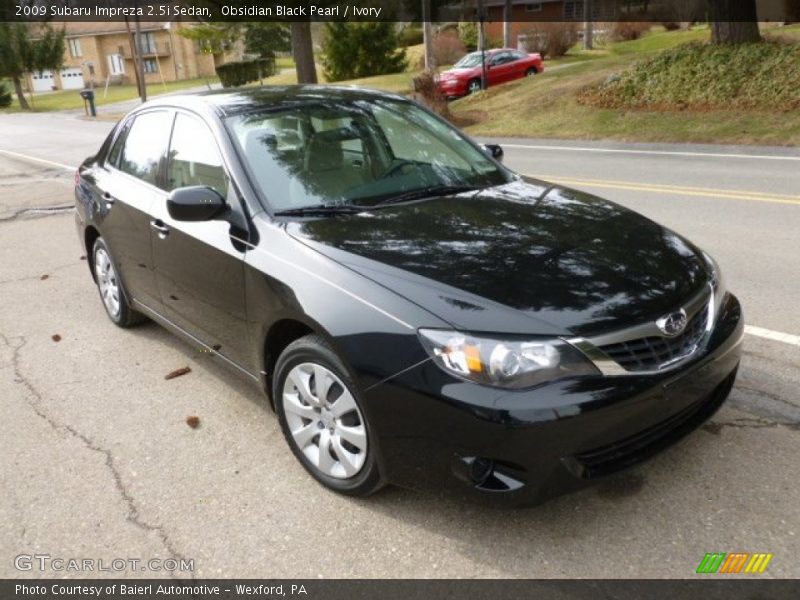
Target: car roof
{"points": [[240, 100]]}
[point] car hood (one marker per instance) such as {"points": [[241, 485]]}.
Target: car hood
{"points": [[524, 257], [458, 72]]}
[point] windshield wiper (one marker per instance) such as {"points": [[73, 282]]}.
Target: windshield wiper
{"points": [[439, 190], [320, 209]]}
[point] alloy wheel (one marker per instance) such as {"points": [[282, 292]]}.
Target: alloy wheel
{"points": [[107, 282], [324, 420]]}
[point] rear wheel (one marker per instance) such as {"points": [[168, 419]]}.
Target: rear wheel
{"points": [[473, 86], [322, 418], [112, 293], [531, 72]]}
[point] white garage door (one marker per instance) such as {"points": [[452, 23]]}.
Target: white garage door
{"points": [[72, 79], [42, 81]]}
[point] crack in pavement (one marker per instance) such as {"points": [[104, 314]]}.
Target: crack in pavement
{"points": [[716, 427], [783, 359], [39, 277], [41, 211], [766, 394], [133, 516]]}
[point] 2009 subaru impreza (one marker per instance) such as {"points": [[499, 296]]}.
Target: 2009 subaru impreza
{"points": [[417, 313]]}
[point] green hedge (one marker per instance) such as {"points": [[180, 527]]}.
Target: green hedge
{"points": [[234, 74], [5, 96], [759, 76], [410, 36]]}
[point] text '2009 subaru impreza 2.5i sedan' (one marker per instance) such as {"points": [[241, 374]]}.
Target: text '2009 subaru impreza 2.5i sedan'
{"points": [[417, 313]]}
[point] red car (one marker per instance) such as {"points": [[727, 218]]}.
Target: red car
{"points": [[503, 64]]}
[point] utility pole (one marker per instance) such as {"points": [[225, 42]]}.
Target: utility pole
{"points": [[137, 58], [482, 42], [588, 25]]}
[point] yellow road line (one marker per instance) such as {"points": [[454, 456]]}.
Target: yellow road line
{"points": [[675, 189]]}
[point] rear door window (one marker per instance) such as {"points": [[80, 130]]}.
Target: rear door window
{"points": [[116, 149]]}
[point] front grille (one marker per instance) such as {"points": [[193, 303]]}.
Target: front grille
{"points": [[650, 353]]}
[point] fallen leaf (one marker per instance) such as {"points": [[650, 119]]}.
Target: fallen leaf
{"points": [[55, 337], [43, 277], [83, 257], [177, 373], [193, 422]]}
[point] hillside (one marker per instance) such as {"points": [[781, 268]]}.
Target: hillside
{"points": [[664, 87]]}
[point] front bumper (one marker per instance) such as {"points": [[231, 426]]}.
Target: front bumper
{"points": [[526, 446], [452, 88]]}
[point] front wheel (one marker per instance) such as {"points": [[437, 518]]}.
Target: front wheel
{"points": [[531, 72], [474, 86], [322, 418]]}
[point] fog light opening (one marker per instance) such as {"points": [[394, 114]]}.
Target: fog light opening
{"points": [[480, 470]]}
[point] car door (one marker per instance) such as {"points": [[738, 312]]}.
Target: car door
{"points": [[497, 68], [199, 265], [507, 67], [519, 64], [127, 189]]}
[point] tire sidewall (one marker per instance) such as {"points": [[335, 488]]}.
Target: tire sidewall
{"points": [[311, 349], [124, 309]]}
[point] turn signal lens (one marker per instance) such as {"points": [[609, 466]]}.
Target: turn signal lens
{"points": [[513, 364]]}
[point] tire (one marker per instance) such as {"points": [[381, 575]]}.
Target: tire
{"points": [[531, 72], [109, 285], [473, 86], [335, 446]]}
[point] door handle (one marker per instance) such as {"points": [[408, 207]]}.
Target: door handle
{"points": [[160, 227]]}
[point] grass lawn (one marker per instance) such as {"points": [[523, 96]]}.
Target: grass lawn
{"points": [[70, 99], [546, 106]]}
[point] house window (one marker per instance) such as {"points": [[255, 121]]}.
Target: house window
{"points": [[602, 10], [116, 66], [147, 43], [573, 11], [75, 48], [533, 7], [150, 65]]}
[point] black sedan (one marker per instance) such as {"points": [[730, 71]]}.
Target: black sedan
{"points": [[416, 313]]}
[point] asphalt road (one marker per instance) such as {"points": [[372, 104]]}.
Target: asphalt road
{"points": [[97, 461]]}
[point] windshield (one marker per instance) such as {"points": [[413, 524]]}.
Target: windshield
{"points": [[470, 60], [356, 152]]}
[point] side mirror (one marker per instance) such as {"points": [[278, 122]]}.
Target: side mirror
{"points": [[195, 203], [494, 150]]}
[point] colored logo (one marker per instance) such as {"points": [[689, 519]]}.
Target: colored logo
{"points": [[672, 324], [734, 562]]}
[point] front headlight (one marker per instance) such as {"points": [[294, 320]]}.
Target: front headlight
{"points": [[715, 275], [512, 364], [718, 290]]}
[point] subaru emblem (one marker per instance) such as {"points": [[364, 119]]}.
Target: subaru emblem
{"points": [[673, 323]]}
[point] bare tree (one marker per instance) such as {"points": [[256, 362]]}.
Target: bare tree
{"points": [[427, 34], [303, 52], [588, 25], [733, 21]]}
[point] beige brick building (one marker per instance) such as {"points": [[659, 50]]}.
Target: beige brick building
{"points": [[96, 52]]}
